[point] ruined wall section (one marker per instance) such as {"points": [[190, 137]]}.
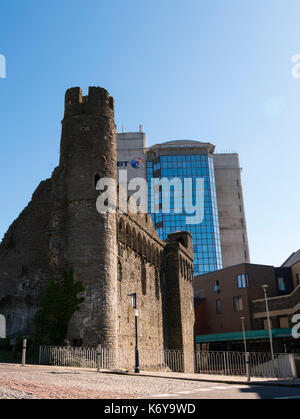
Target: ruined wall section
{"points": [[178, 297], [24, 266], [140, 254]]}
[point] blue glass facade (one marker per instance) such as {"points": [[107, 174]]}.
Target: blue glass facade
{"points": [[206, 236]]}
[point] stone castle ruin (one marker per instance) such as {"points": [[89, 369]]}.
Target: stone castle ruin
{"points": [[113, 255]]}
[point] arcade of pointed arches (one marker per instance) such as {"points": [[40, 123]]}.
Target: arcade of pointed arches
{"points": [[131, 237]]}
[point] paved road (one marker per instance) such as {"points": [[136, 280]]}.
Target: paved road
{"points": [[227, 391], [66, 383]]}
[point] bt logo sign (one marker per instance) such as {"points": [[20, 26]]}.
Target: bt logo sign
{"points": [[122, 163], [136, 164], [2, 67]]}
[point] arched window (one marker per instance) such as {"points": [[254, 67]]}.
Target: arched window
{"points": [[140, 244], [147, 250], [157, 259], [191, 273], [122, 232], [128, 235], [120, 271], [144, 248], [134, 240], [152, 254]]}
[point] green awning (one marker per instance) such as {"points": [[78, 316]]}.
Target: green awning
{"points": [[238, 336]]}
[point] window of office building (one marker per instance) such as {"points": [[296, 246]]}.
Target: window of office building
{"points": [[218, 307], [266, 324], [206, 236], [242, 281], [217, 287], [284, 323], [238, 304], [281, 284]]}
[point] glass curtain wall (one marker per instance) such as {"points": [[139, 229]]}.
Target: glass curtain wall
{"points": [[206, 236]]}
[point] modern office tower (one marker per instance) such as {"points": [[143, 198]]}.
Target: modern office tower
{"points": [[188, 160], [221, 239], [232, 219], [132, 148]]}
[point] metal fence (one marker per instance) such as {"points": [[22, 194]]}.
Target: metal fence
{"points": [[221, 363], [235, 364], [163, 360], [68, 356]]}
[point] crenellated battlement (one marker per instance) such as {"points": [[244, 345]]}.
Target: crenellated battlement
{"points": [[98, 102]]}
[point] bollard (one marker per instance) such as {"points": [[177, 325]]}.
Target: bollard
{"points": [[248, 367], [99, 350], [24, 352]]}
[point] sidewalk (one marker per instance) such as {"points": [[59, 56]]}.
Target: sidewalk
{"points": [[213, 378]]}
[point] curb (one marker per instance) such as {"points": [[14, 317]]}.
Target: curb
{"points": [[205, 380]]}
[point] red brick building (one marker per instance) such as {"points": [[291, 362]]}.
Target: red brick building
{"points": [[223, 297]]}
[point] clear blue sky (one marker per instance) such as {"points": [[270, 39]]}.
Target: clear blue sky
{"points": [[216, 70]]}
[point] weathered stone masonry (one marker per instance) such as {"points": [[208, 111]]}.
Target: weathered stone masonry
{"points": [[112, 254]]}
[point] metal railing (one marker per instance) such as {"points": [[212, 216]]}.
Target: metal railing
{"points": [[221, 363], [234, 364], [65, 356], [163, 360]]}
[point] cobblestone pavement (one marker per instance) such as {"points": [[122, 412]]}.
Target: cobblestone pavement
{"points": [[62, 383], [34, 382]]}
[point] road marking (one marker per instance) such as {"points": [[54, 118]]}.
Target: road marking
{"points": [[206, 389], [196, 390], [184, 392], [286, 398]]}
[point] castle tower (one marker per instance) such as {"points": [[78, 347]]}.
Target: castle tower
{"points": [[88, 243]]}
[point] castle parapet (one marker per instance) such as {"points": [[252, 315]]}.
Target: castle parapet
{"points": [[98, 102]]}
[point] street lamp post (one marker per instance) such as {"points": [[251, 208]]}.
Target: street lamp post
{"points": [[265, 289], [136, 314], [244, 333], [247, 355]]}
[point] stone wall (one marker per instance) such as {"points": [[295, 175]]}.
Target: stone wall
{"points": [[24, 264], [139, 271], [113, 255]]}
